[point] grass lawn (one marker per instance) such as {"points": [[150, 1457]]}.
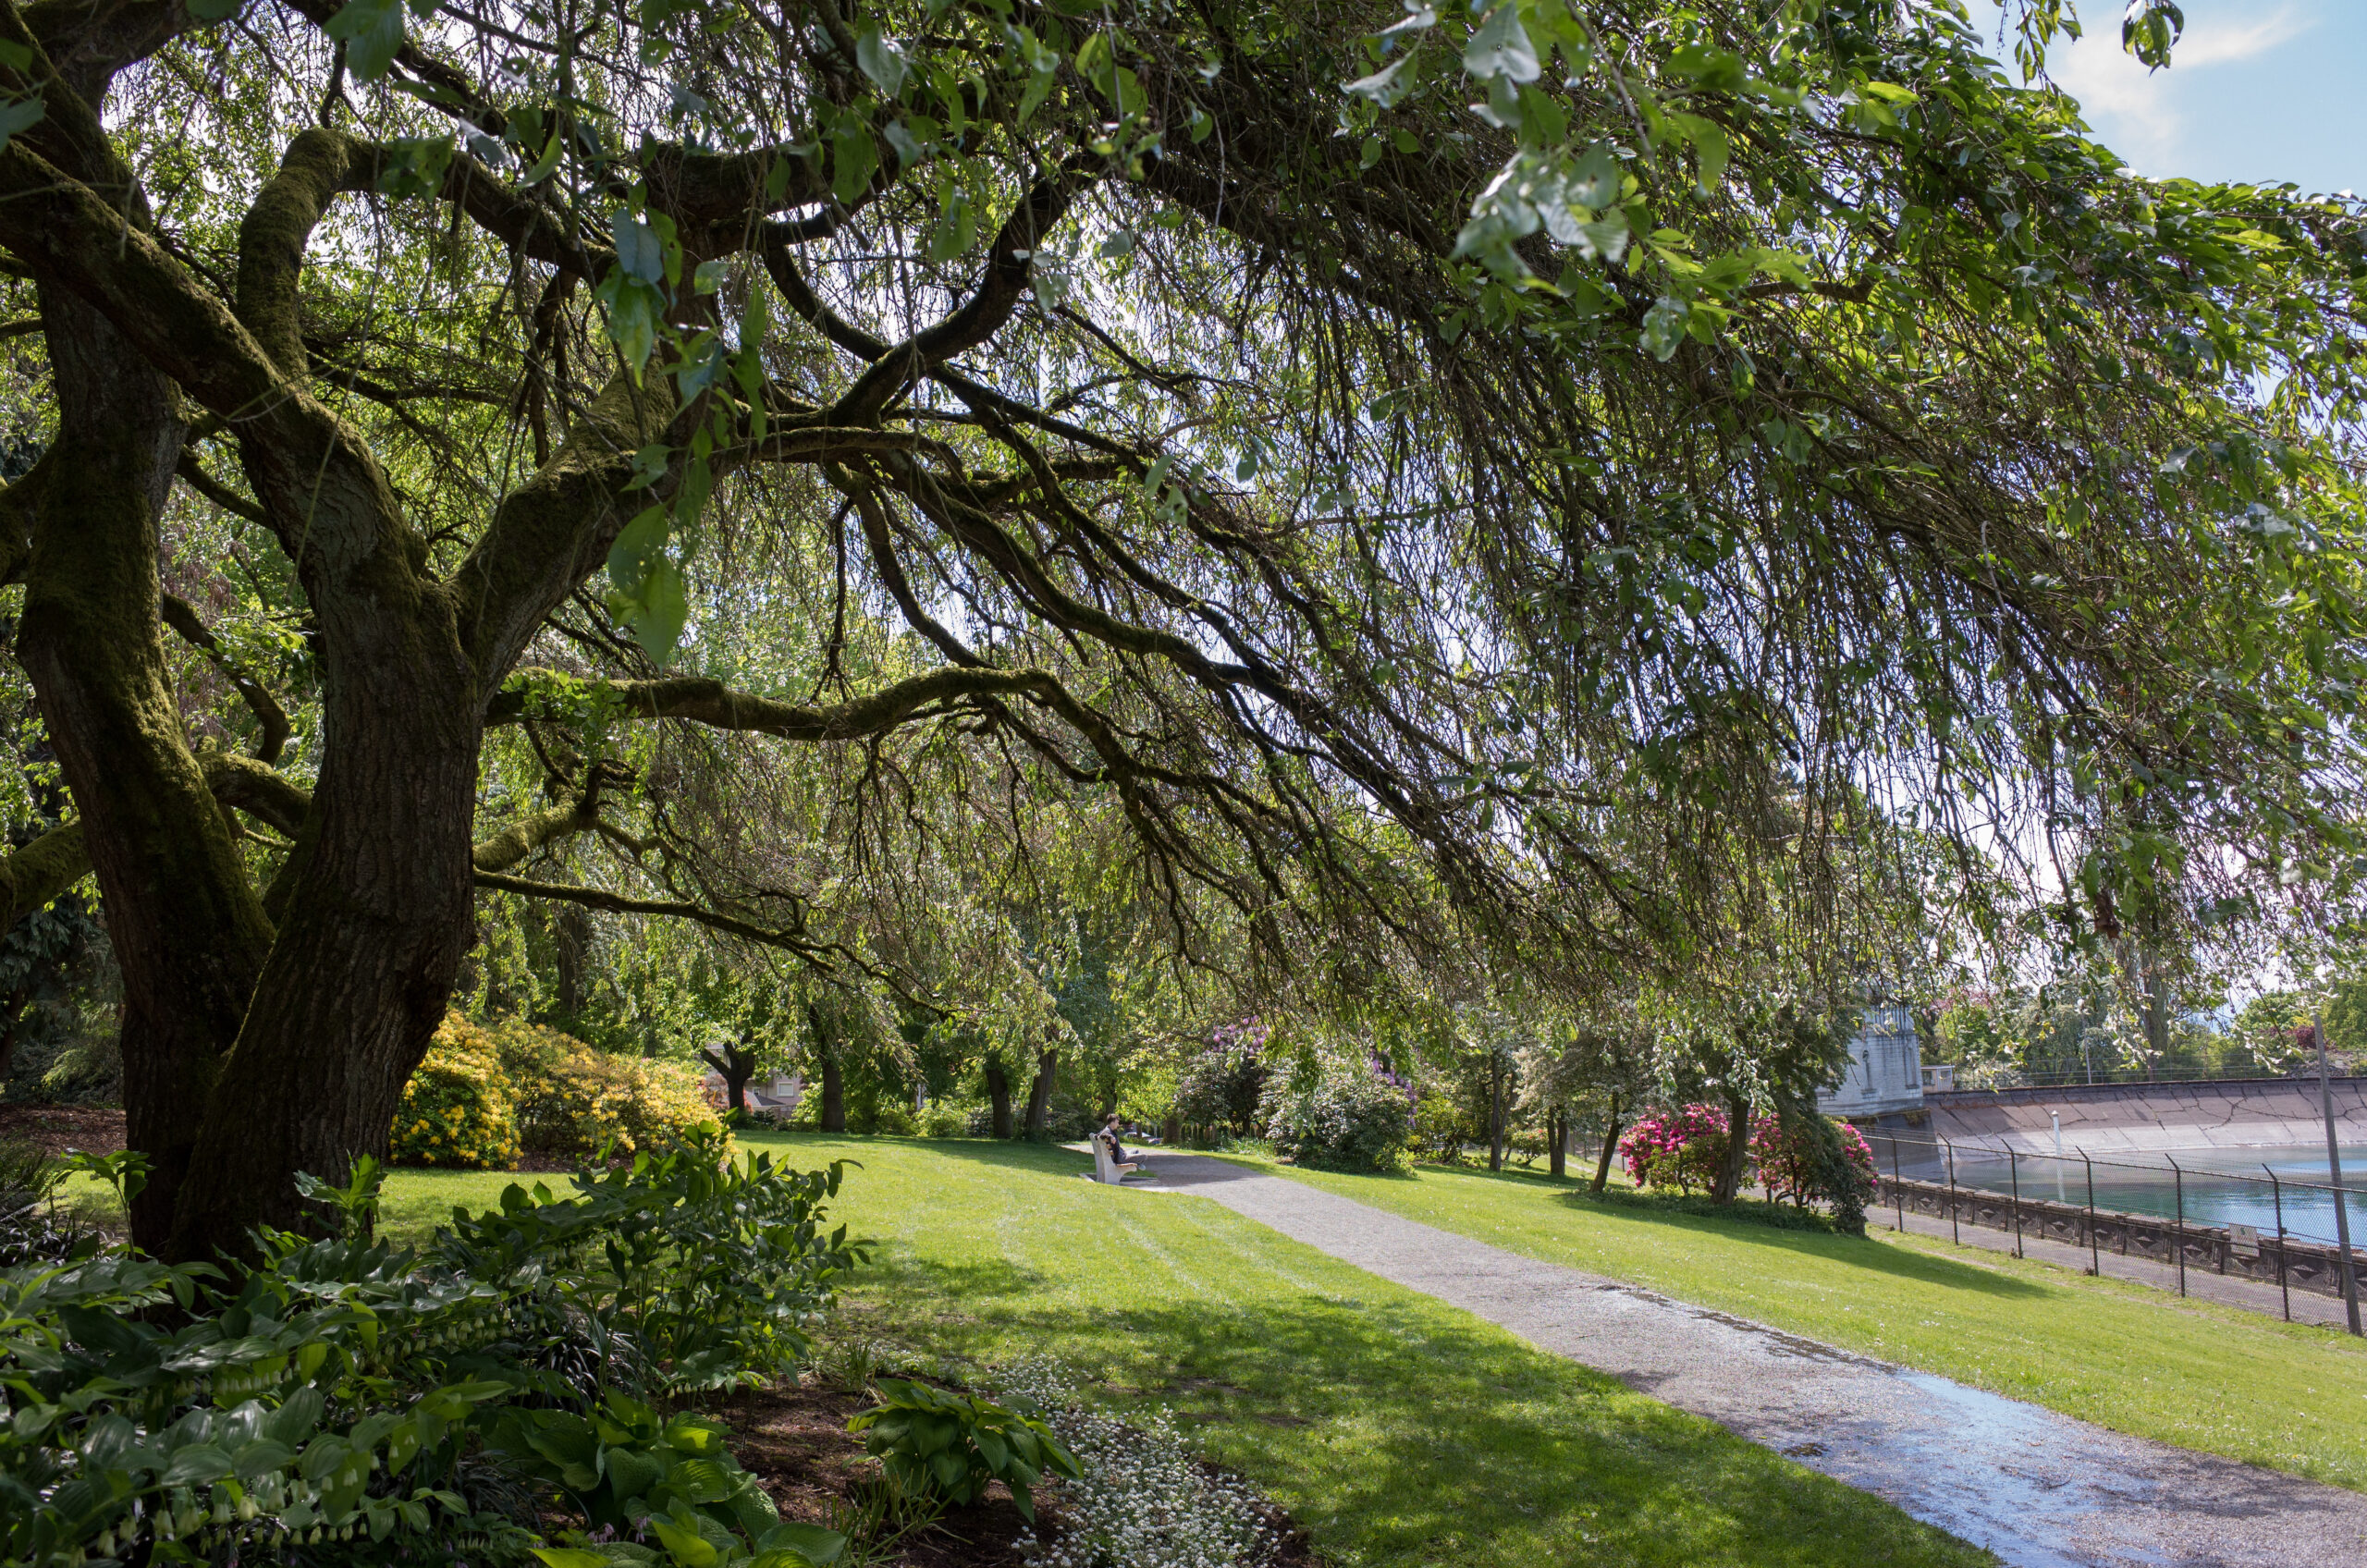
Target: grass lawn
{"points": [[2203, 1377], [1398, 1430]]}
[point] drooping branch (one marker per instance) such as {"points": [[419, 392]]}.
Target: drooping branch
{"points": [[819, 953], [271, 718]]}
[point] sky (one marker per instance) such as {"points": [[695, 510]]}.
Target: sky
{"points": [[2261, 90]]}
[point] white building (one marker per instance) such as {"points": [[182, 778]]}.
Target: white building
{"points": [[1886, 1067]]}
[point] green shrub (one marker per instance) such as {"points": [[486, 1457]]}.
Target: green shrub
{"points": [[943, 1120], [574, 1100], [1350, 1119], [457, 1111], [951, 1445], [892, 1118]]}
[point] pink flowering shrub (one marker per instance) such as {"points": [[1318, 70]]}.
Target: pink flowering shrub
{"points": [[1786, 1158], [1684, 1149]]}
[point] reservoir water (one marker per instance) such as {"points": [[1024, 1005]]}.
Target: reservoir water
{"points": [[2222, 1185]]}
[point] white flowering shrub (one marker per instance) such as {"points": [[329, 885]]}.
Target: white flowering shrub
{"points": [[1144, 1500]]}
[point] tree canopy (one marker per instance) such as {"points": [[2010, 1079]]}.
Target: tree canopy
{"points": [[1516, 483]]}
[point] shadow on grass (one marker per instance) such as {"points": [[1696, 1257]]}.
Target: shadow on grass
{"points": [[1009, 1154], [1857, 1252], [1411, 1434]]}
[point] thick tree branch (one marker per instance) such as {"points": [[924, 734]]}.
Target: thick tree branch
{"points": [[978, 319], [40, 871], [707, 702], [257, 789], [526, 835]]}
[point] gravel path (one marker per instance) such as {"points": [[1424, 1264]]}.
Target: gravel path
{"points": [[2038, 1488]]}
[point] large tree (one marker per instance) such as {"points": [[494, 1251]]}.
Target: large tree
{"points": [[1738, 402]]}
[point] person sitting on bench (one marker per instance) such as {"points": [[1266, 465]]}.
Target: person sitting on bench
{"points": [[1108, 1140]]}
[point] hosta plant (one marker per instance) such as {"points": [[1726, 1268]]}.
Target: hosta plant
{"points": [[951, 1445]]}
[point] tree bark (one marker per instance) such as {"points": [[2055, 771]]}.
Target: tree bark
{"points": [[1610, 1147], [999, 1097], [1039, 1093], [1557, 1127], [188, 931], [1737, 1149], [834, 1093]]}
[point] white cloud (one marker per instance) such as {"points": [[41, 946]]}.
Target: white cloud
{"points": [[2140, 113], [2218, 39]]}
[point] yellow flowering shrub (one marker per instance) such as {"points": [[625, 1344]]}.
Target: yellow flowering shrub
{"points": [[457, 1109], [573, 1099]]}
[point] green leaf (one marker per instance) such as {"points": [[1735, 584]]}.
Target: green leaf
{"points": [[415, 166], [213, 11], [811, 1542], [854, 158], [198, 1462], [657, 615], [1387, 86], [568, 1557], [639, 251], [1709, 146], [688, 1547], [631, 1474], [636, 311], [1717, 69], [879, 58], [1593, 181], [372, 31], [1500, 47]]}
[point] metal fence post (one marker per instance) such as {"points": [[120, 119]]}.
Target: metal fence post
{"points": [[2178, 1239], [1897, 1193], [1954, 1234], [2014, 1170], [2276, 1190], [2095, 1262]]}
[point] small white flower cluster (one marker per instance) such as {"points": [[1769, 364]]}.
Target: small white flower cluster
{"points": [[1144, 1500]]}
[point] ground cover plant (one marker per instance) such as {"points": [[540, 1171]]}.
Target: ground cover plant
{"points": [[352, 1400], [2186, 1372], [1397, 1431]]}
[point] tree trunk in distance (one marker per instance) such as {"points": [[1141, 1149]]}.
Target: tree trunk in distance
{"points": [[570, 927], [1610, 1146], [1738, 1148], [999, 1096], [1039, 1094], [1495, 1114], [1557, 1127], [737, 1066], [834, 1093]]}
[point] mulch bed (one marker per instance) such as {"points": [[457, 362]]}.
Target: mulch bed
{"points": [[56, 1128], [795, 1441]]}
